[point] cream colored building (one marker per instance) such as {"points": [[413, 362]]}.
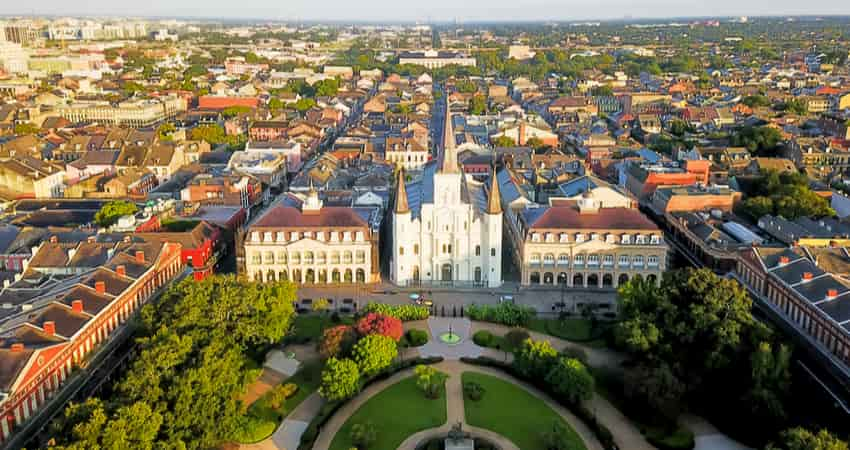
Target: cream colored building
{"points": [[583, 245], [138, 113], [312, 244]]}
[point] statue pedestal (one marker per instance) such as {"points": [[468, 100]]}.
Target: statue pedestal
{"points": [[459, 444]]}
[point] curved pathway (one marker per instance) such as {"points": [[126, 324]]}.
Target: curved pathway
{"points": [[455, 411]]}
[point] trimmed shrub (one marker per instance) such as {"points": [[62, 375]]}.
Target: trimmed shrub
{"points": [[508, 314], [416, 338], [337, 341], [483, 338], [515, 338], [405, 313], [473, 391]]}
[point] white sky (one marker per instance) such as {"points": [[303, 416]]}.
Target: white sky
{"points": [[407, 10]]}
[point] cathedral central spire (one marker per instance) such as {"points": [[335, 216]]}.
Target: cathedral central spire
{"points": [[449, 164]]}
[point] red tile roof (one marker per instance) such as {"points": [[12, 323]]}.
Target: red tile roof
{"points": [[568, 217], [329, 216]]}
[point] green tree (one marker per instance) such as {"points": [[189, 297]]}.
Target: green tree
{"points": [[657, 387], [559, 437], [503, 141], [26, 128], [535, 143], [327, 88], [340, 379], [211, 133], [429, 380], [165, 131], [803, 439], [478, 105], [364, 435], [754, 101], [112, 211], [571, 380], [304, 104], [761, 140], [374, 353], [275, 104], [771, 382], [795, 106], [535, 358], [233, 111]]}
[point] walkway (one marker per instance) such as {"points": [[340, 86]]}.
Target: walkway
{"points": [[708, 437], [455, 411]]}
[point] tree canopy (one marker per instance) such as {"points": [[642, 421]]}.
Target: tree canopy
{"points": [[784, 194], [114, 210], [194, 361]]}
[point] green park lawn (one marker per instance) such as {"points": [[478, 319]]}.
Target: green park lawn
{"points": [[396, 412], [574, 329], [514, 413]]}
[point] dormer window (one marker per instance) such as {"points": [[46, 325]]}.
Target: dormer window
{"points": [[255, 237], [626, 239], [564, 237], [640, 239], [535, 237], [579, 237]]}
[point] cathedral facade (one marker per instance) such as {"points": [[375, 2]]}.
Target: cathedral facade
{"points": [[447, 227]]}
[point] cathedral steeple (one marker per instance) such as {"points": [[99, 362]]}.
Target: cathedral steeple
{"points": [[494, 201], [449, 164], [401, 206]]}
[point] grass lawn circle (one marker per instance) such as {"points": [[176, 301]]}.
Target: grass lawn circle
{"points": [[397, 412], [513, 412]]}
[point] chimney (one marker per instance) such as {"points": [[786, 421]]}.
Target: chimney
{"points": [[121, 270], [521, 136], [49, 327], [807, 276], [831, 294], [54, 239], [77, 306], [100, 286], [17, 347], [784, 260], [140, 257], [90, 240]]}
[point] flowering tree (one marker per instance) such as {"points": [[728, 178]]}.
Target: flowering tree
{"points": [[374, 323], [337, 341]]}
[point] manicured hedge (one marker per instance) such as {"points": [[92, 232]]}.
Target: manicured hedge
{"points": [[508, 314], [483, 338], [308, 439], [415, 338], [405, 313], [582, 412]]}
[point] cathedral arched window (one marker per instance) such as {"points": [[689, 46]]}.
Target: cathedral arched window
{"points": [[477, 250]]}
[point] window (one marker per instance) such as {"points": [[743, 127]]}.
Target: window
{"points": [[592, 260], [492, 252], [401, 251], [267, 236], [308, 257], [608, 260], [624, 261], [610, 238], [652, 261], [535, 258], [579, 238], [335, 258], [415, 249], [450, 249], [268, 258], [594, 237], [321, 258], [579, 260], [295, 258], [535, 237], [626, 239], [549, 259], [563, 260], [550, 237], [346, 257], [320, 235], [655, 239], [255, 237], [358, 236], [564, 237], [477, 250], [638, 260], [281, 236], [361, 257], [640, 239], [281, 257], [256, 258]]}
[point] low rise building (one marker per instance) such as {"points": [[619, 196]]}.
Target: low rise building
{"points": [[305, 242]]}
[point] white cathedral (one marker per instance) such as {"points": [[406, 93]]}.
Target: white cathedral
{"points": [[447, 227]]}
